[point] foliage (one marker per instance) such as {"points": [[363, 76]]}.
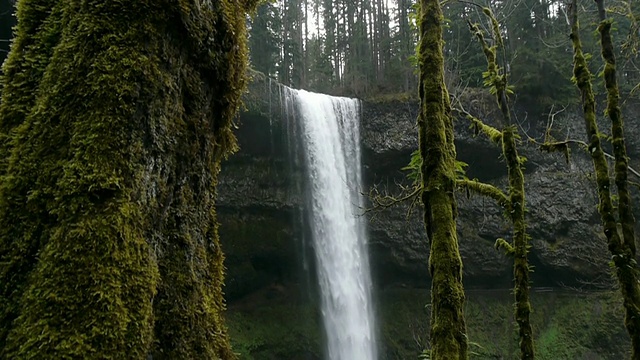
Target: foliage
{"points": [[275, 332], [568, 325]]}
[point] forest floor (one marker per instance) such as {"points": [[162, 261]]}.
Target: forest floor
{"points": [[279, 323]]}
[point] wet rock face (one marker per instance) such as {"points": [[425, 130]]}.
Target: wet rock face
{"points": [[568, 245], [259, 192]]}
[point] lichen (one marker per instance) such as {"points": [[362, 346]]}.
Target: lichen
{"points": [[435, 133], [108, 245]]}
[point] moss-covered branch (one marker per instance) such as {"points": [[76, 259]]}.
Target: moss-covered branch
{"points": [[621, 248], [479, 126], [484, 189], [502, 244], [435, 133], [617, 129]]}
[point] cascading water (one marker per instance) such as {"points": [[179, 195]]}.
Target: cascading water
{"points": [[329, 127]]}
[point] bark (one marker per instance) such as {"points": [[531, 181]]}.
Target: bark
{"points": [[621, 247], [108, 240], [435, 127], [520, 246]]}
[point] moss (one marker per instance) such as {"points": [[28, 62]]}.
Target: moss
{"points": [[435, 134], [487, 190], [621, 247], [518, 249], [627, 267], [520, 243], [479, 126], [23, 70], [106, 201], [276, 331]]}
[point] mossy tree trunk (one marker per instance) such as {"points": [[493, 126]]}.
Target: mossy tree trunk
{"points": [[621, 247], [519, 248], [115, 116], [520, 243], [435, 131]]}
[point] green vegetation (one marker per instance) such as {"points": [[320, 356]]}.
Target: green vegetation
{"points": [[276, 331], [112, 130], [621, 244], [568, 325], [496, 79], [448, 335]]}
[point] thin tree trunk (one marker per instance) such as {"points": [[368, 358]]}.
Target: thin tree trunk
{"points": [[622, 248], [519, 249]]}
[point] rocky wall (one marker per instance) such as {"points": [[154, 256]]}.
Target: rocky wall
{"points": [[261, 206]]}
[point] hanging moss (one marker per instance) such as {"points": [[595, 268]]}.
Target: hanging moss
{"points": [[435, 131], [107, 197], [483, 189], [622, 248], [479, 126]]}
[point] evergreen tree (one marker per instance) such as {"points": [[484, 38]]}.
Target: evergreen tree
{"points": [[265, 42]]}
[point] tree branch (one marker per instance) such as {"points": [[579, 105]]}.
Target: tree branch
{"points": [[484, 189]]}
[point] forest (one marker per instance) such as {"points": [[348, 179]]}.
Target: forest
{"points": [[319, 179]]}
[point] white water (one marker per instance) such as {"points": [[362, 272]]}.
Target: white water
{"points": [[331, 140]]}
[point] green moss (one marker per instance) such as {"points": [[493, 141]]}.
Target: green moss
{"points": [[483, 189], [114, 139], [627, 266], [435, 139], [621, 247], [276, 331], [392, 98], [32, 48], [518, 249], [492, 133]]}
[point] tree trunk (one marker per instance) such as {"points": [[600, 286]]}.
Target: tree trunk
{"points": [[108, 241], [435, 131], [622, 248]]}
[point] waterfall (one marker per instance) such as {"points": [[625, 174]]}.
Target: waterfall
{"points": [[329, 128]]}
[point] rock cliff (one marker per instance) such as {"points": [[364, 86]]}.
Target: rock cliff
{"points": [[261, 207]]}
